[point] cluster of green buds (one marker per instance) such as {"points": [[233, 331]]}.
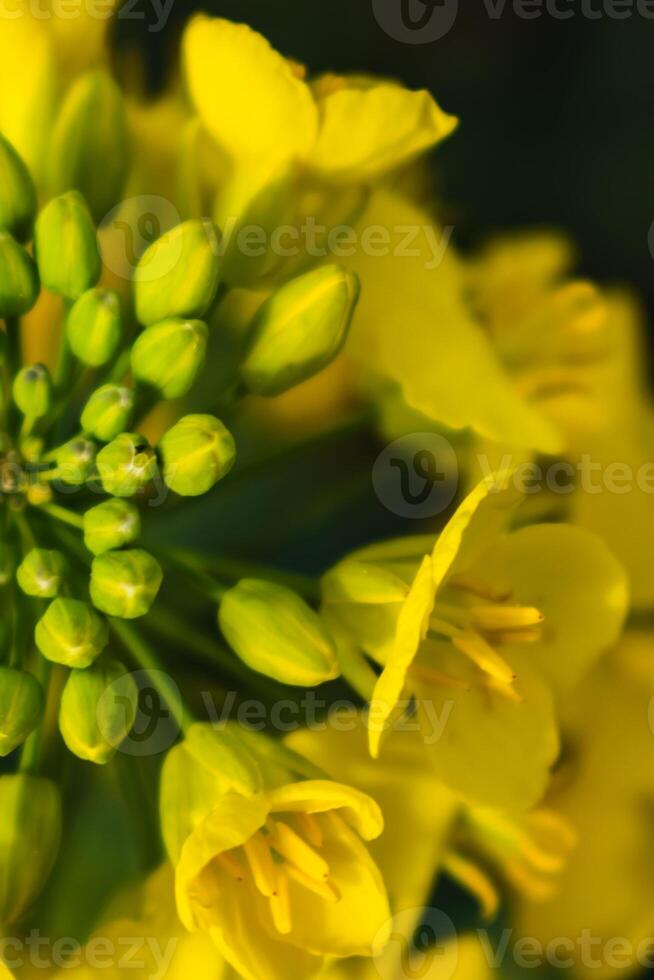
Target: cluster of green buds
{"points": [[76, 470]]}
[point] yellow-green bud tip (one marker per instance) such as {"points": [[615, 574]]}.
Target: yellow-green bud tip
{"points": [[126, 465], [21, 706], [110, 525], [178, 275], [108, 412], [41, 572], [299, 330], [169, 355], [66, 246], [17, 193], [19, 281], [125, 583], [31, 833], [97, 710], [94, 326], [276, 633], [71, 633], [196, 452], [32, 391]]}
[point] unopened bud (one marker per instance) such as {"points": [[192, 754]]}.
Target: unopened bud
{"points": [[126, 464], [71, 632], [17, 194], [66, 246], [98, 708], [94, 326], [29, 842], [19, 281], [41, 572], [32, 391], [108, 412], [276, 633], [21, 706], [125, 583], [169, 355], [196, 452], [75, 461], [299, 330], [178, 275], [88, 151], [111, 524]]}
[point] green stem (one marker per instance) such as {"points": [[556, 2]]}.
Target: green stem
{"points": [[147, 660], [205, 584], [30, 757], [63, 514], [234, 569]]}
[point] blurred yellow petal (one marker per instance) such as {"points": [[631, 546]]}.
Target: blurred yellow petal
{"points": [[413, 326], [365, 132], [247, 95]]}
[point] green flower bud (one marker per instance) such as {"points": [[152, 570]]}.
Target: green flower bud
{"points": [[19, 281], [17, 193], [276, 633], [299, 330], [70, 632], [178, 275], [66, 246], [21, 706], [110, 525], [94, 326], [32, 390], [98, 708], [108, 412], [207, 765], [89, 147], [75, 461], [126, 464], [40, 573], [29, 842], [169, 355], [197, 452], [125, 583]]}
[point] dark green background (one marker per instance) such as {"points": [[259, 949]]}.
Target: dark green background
{"points": [[557, 115]]}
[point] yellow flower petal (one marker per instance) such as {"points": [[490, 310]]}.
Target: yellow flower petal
{"points": [[367, 131], [413, 326], [247, 95], [320, 796]]}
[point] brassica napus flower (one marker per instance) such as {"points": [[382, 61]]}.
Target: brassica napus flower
{"points": [[272, 867], [491, 622]]}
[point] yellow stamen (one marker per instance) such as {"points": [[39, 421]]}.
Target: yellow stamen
{"points": [[310, 828], [484, 656], [280, 905], [466, 583], [231, 864], [492, 618], [517, 636], [529, 884], [291, 846], [324, 889], [431, 676], [471, 877], [261, 863]]}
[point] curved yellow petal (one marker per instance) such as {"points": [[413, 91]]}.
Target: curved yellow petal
{"points": [[571, 576], [247, 95], [365, 132], [413, 326], [410, 631], [321, 796]]}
